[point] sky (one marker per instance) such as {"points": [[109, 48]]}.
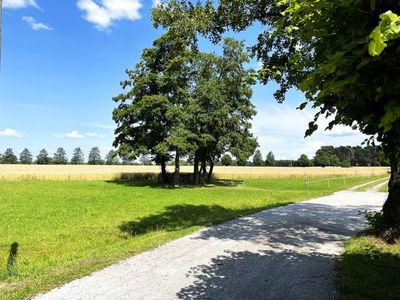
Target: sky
{"points": [[62, 62]]}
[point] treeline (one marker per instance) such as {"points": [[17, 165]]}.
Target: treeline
{"points": [[60, 158], [342, 156]]}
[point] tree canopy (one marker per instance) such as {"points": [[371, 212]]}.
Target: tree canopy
{"points": [[342, 54], [182, 102]]}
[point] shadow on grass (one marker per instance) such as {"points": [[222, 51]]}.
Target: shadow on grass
{"points": [[153, 184], [177, 217], [370, 273]]}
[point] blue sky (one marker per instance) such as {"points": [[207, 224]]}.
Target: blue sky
{"points": [[62, 62]]}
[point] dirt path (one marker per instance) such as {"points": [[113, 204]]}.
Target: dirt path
{"points": [[288, 252]]}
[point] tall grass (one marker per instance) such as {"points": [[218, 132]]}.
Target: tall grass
{"points": [[111, 173]]}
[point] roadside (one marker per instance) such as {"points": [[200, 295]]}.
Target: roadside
{"points": [[285, 252], [369, 267]]}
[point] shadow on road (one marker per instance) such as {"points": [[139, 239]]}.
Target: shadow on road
{"points": [[249, 275]]}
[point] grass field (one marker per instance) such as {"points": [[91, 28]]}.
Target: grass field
{"points": [[60, 230], [94, 173], [369, 269]]}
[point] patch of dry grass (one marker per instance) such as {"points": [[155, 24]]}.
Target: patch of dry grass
{"points": [[100, 173]]}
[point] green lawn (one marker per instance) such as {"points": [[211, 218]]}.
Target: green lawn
{"points": [[58, 231], [369, 269]]}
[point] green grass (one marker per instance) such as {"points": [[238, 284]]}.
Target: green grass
{"points": [[369, 269], [371, 185], [384, 189], [59, 231]]}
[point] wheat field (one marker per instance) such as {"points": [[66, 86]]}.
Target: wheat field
{"points": [[95, 173]]}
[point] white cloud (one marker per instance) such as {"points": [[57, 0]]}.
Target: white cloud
{"points": [[96, 135], [280, 128], [10, 133], [102, 13], [74, 134], [36, 25], [19, 3]]}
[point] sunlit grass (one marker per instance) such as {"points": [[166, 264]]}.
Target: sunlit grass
{"points": [[64, 230]]}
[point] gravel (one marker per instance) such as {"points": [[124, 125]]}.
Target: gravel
{"points": [[288, 252]]}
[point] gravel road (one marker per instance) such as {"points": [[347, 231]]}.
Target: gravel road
{"points": [[288, 252]]}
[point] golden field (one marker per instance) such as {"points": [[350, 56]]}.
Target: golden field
{"points": [[93, 173]]}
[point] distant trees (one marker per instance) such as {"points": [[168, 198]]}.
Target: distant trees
{"points": [[303, 161], [226, 160], [9, 157], [25, 157], [60, 157], [257, 158], [77, 157], [95, 157], [43, 158], [270, 159], [112, 158]]}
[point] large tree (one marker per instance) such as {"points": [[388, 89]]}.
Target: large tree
{"points": [[78, 157], [342, 54], [43, 158], [181, 102]]}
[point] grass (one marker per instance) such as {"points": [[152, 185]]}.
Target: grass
{"points": [[369, 269], [368, 186], [384, 189], [55, 231]]}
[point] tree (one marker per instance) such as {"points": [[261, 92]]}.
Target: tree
{"points": [[257, 158], [77, 157], [95, 157], [338, 53], [303, 161], [183, 102], [43, 158], [226, 160], [112, 158], [60, 157], [270, 159], [9, 157], [25, 157]]}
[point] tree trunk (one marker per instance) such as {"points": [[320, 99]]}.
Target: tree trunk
{"points": [[196, 170], [210, 172], [204, 167], [391, 208], [164, 171], [177, 168]]}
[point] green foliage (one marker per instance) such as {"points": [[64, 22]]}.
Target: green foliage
{"points": [[9, 157], [95, 157], [337, 52], [43, 158], [112, 158], [270, 159], [181, 102], [387, 30], [257, 158], [226, 160], [25, 157], [78, 157], [60, 157], [303, 161]]}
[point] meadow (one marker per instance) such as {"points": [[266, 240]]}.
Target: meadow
{"points": [[53, 231]]}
